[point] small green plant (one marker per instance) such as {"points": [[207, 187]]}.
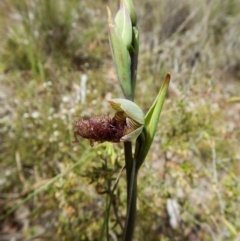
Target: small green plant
{"points": [[129, 123], [52, 189]]}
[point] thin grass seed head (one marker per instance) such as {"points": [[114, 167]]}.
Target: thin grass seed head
{"points": [[126, 125]]}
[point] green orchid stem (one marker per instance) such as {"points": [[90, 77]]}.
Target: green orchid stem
{"points": [[134, 65], [139, 144], [131, 170], [128, 159], [131, 204]]}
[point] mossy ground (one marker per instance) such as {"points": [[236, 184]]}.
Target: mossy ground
{"points": [[52, 189]]}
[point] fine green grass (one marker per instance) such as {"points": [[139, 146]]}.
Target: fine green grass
{"points": [[54, 189]]}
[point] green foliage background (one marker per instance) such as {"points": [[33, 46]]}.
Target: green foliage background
{"points": [[52, 189]]}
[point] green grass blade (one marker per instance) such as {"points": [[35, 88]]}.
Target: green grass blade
{"points": [[230, 227]]}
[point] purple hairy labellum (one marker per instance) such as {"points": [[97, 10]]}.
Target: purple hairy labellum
{"points": [[100, 129]]}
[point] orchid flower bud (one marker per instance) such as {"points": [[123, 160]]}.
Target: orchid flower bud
{"points": [[120, 56], [131, 10], [124, 25]]}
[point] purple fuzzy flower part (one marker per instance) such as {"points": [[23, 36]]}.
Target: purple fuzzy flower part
{"points": [[100, 129]]}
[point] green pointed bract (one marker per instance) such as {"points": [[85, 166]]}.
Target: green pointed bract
{"points": [[124, 25], [121, 58], [151, 122], [135, 40], [131, 9]]}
